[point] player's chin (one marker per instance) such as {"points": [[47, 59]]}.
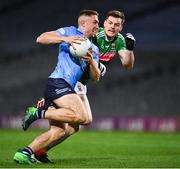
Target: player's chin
{"points": [[110, 35]]}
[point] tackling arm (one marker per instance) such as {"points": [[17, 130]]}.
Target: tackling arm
{"points": [[127, 56]]}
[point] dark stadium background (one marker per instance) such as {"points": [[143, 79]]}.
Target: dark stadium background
{"points": [[146, 98]]}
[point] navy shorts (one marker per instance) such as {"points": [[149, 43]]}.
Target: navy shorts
{"points": [[56, 88]]}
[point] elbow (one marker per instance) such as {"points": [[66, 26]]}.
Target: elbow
{"points": [[38, 40], [96, 77], [128, 63], [42, 38], [128, 60], [128, 66]]}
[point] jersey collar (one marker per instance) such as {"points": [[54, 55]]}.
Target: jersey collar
{"points": [[83, 34], [106, 38], [80, 31]]}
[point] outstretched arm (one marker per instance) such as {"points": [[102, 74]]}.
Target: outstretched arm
{"points": [[127, 56]]}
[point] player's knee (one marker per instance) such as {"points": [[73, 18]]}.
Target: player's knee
{"points": [[79, 119], [88, 121]]}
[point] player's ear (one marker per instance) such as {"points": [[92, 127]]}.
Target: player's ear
{"points": [[122, 24], [81, 21], [121, 27], [104, 23]]}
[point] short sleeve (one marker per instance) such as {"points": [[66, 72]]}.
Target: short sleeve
{"points": [[121, 43], [61, 31]]}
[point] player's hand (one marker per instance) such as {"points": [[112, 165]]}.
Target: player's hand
{"points": [[130, 41], [74, 40], [102, 69], [40, 103], [89, 56]]}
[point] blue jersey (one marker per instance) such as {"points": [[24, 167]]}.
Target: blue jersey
{"points": [[69, 67]]}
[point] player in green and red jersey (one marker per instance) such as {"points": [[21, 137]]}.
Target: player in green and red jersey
{"points": [[110, 42]]}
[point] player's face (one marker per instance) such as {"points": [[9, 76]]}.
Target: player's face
{"points": [[112, 26], [92, 25]]}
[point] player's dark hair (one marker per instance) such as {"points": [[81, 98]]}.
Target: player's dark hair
{"points": [[88, 12], [116, 14]]}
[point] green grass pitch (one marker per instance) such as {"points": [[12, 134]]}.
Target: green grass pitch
{"points": [[98, 149]]}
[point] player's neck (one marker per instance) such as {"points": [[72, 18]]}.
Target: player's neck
{"points": [[109, 38]]}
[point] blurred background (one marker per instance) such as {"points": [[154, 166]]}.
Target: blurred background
{"points": [[145, 98]]}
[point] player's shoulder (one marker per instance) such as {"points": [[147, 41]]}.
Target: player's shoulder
{"points": [[119, 39], [71, 30], [120, 36]]}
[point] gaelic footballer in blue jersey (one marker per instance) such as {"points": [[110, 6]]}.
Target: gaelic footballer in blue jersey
{"points": [[70, 111]]}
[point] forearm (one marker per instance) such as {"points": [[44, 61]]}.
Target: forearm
{"points": [[128, 55], [50, 38], [94, 71], [129, 60]]}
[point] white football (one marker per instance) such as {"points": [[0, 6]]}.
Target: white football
{"points": [[81, 49]]}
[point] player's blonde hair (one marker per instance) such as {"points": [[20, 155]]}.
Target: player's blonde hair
{"points": [[86, 12]]}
